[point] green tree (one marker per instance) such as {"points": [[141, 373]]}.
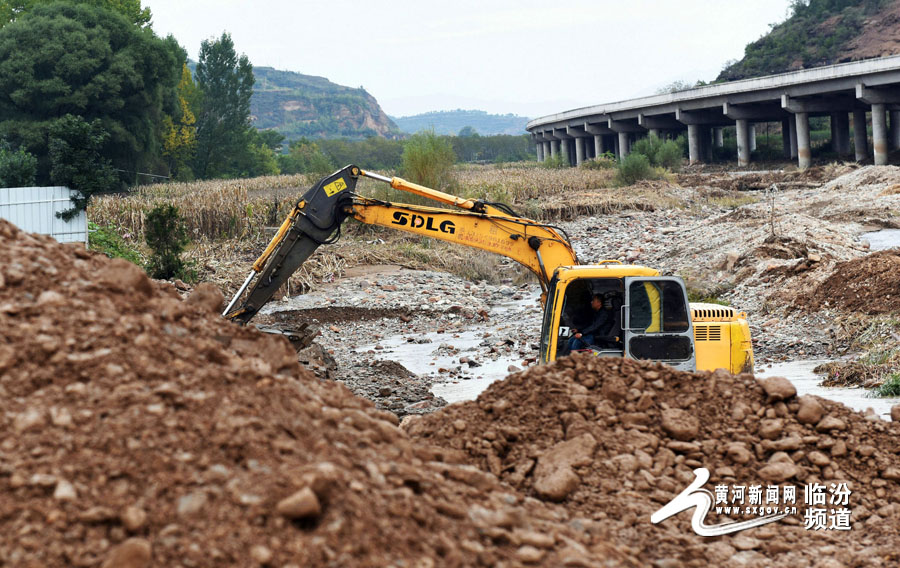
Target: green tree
{"points": [[17, 167], [305, 157], [87, 61], [428, 160], [225, 82], [10, 10], [77, 160], [166, 235]]}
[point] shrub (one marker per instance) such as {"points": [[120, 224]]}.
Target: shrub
{"points": [[428, 160], [166, 236], [634, 167], [604, 161], [556, 162], [661, 153], [108, 241], [670, 156], [890, 387], [17, 168]]}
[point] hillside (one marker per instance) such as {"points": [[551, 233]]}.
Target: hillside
{"points": [[299, 105], [452, 121], [822, 32]]}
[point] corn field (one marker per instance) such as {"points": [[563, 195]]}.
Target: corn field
{"points": [[212, 210]]}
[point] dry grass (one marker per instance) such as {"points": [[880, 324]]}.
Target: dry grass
{"points": [[212, 210]]}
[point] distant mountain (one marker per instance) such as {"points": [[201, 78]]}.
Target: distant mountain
{"points": [[822, 32], [299, 105], [452, 121]]}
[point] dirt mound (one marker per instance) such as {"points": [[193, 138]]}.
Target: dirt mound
{"points": [[618, 439], [137, 428], [749, 181], [868, 285]]}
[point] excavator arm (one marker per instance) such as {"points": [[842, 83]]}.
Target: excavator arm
{"points": [[317, 217]]}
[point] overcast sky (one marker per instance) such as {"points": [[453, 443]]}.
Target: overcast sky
{"points": [[525, 57]]}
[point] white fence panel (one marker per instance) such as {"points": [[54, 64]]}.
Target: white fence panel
{"points": [[34, 209]]}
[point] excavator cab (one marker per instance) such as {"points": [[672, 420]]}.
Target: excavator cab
{"points": [[650, 313]]}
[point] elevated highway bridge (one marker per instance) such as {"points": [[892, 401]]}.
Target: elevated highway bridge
{"points": [[859, 93]]}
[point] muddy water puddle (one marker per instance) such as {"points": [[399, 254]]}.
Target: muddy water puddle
{"points": [[882, 240], [801, 374], [429, 353]]}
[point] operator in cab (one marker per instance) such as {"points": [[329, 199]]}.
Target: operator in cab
{"points": [[598, 330]]}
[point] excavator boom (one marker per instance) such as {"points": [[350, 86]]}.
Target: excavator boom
{"points": [[317, 217]]}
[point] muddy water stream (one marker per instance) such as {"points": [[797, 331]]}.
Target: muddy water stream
{"points": [[427, 359], [882, 240], [808, 382]]}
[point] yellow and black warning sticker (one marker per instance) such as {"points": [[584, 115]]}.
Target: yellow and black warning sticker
{"points": [[336, 186]]}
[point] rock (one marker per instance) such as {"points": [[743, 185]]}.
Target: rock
{"points": [[730, 259], [31, 419], [895, 413], [818, 458], [778, 472], [830, 423], [207, 297], [738, 453], [778, 388], [810, 410], [261, 554], [514, 369], [65, 491], [125, 277], [789, 444], [191, 503], [771, 429], [529, 554], [839, 449], [891, 473], [554, 478], [133, 518], [60, 416], [301, 505], [133, 553], [459, 425], [680, 424]]}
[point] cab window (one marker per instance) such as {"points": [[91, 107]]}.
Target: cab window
{"points": [[658, 307]]}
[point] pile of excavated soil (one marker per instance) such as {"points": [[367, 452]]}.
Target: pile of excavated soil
{"points": [[868, 285], [140, 429], [615, 440]]}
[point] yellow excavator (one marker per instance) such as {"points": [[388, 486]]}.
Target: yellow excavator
{"points": [[649, 315]]}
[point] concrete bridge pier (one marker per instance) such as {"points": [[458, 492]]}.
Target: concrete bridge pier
{"points": [[554, 148], [880, 134], [579, 151], [895, 130], [719, 136], [708, 137], [598, 145], [752, 137], [860, 136], [840, 133], [694, 143], [743, 142], [793, 136], [539, 149], [623, 147], [546, 151], [786, 137], [804, 152]]}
